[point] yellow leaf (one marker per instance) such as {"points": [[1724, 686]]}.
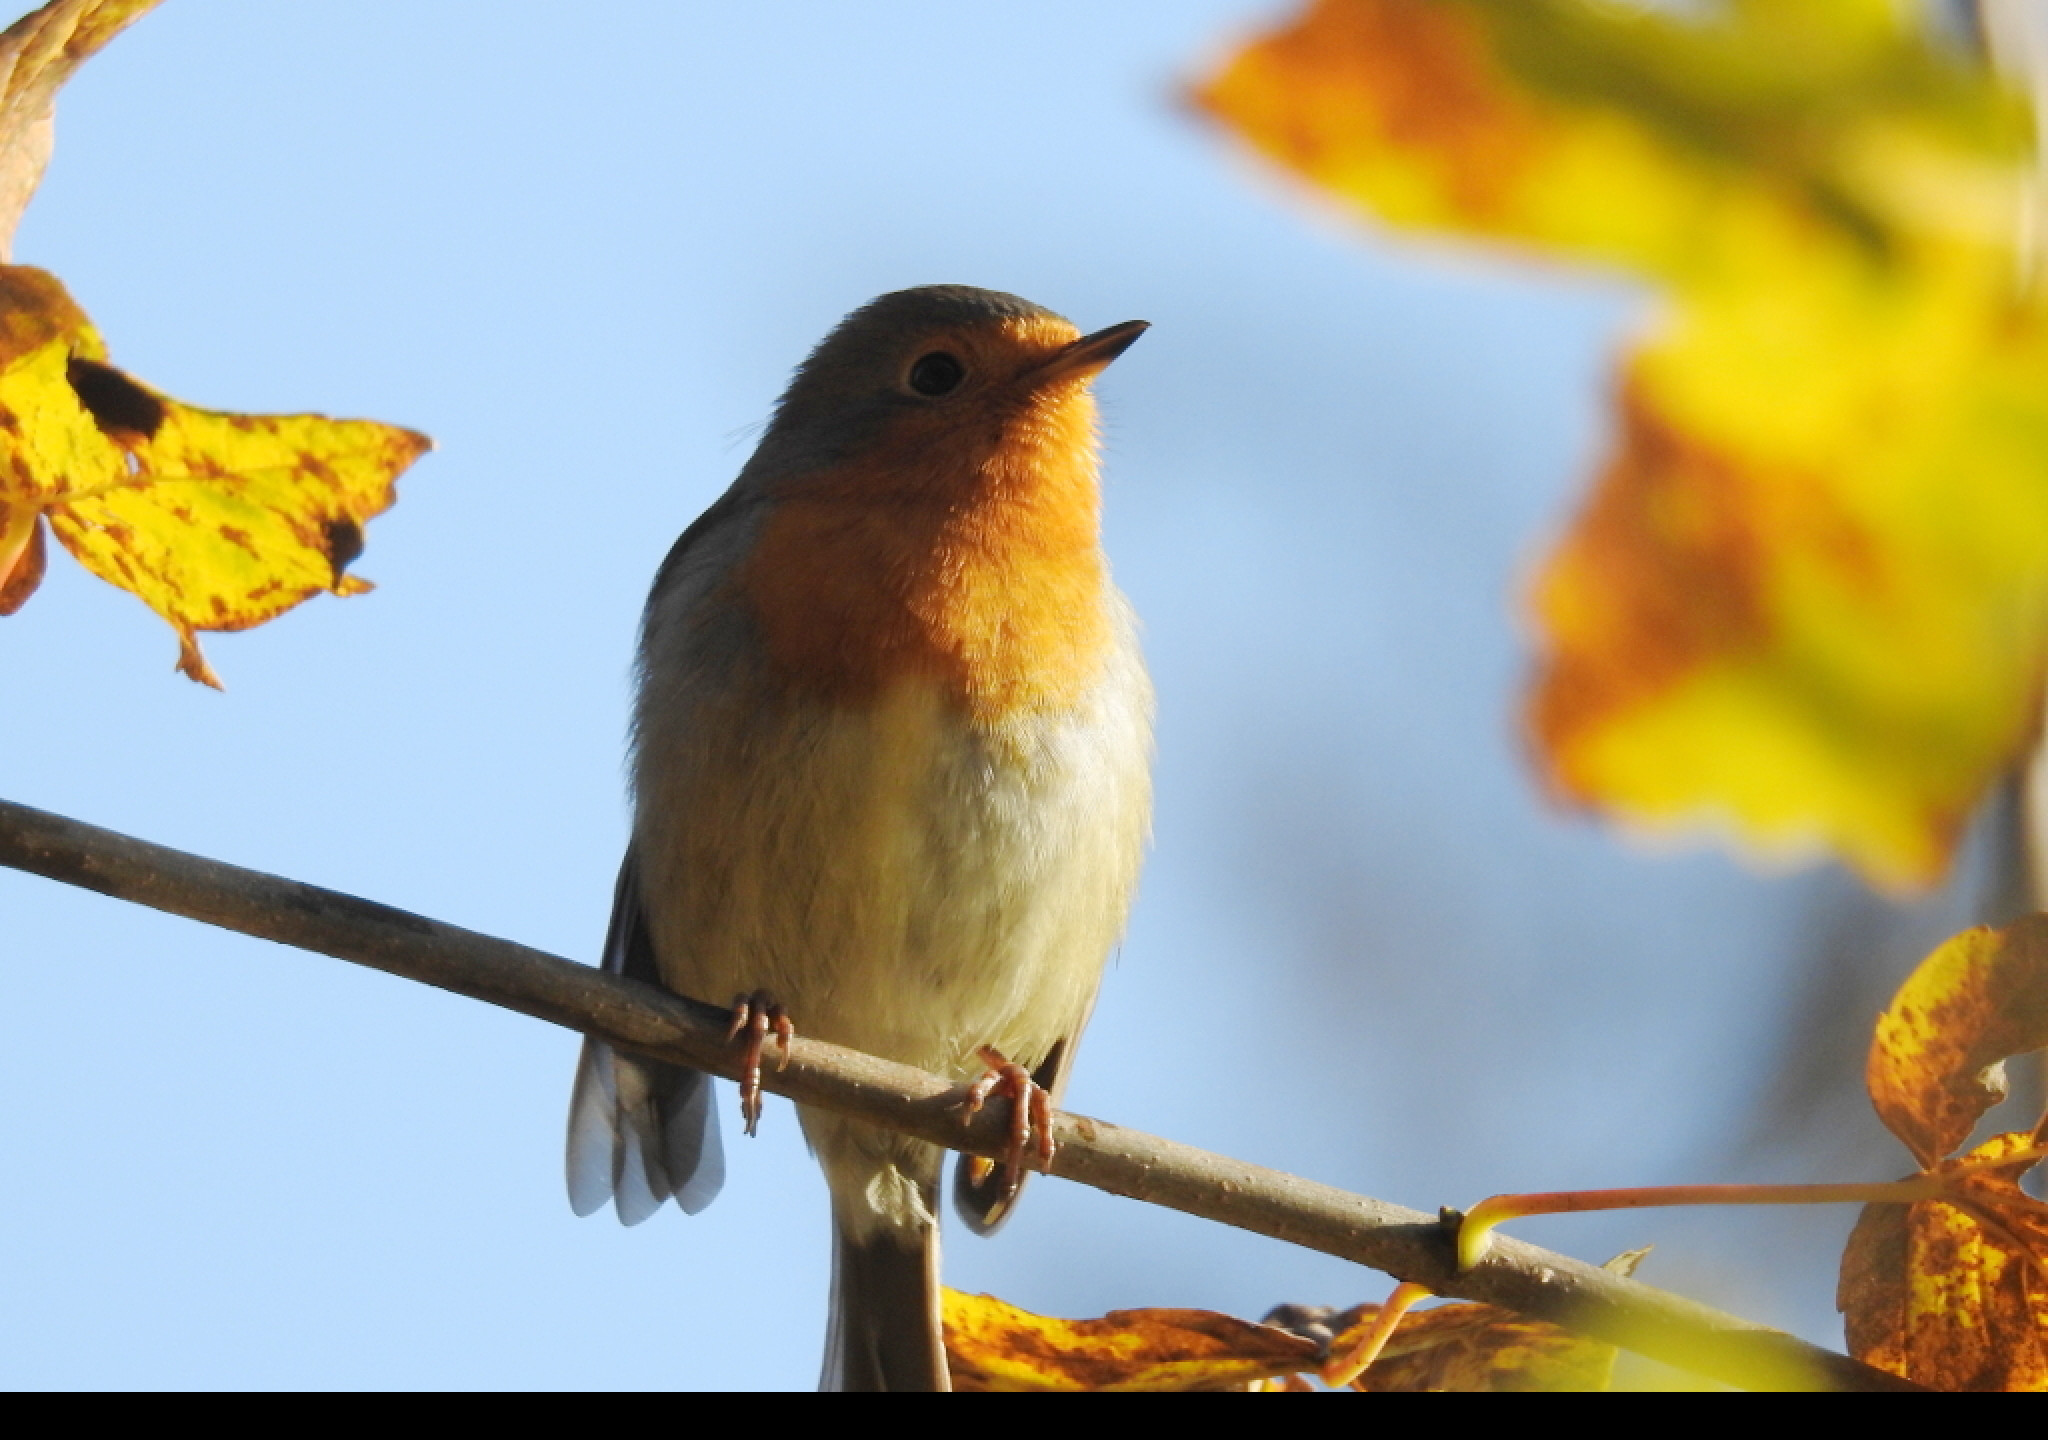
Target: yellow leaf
{"points": [[1808, 598], [994, 1346], [216, 521]]}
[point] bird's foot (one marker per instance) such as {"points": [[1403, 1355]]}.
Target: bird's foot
{"points": [[1030, 1109], [756, 1016]]}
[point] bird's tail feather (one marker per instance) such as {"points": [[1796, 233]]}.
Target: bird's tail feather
{"points": [[886, 1332], [639, 1132]]}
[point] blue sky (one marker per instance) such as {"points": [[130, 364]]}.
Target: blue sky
{"points": [[584, 255]]}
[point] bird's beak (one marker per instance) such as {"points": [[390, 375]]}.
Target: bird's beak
{"points": [[1088, 355]]}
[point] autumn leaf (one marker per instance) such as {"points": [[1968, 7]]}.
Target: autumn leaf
{"points": [[1955, 1295], [1952, 1290], [1936, 1060], [995, 1346], [216, 521], [1806, 596], [37, 55], [1484, 1348]]}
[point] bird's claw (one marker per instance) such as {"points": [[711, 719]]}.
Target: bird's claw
{"points": [[1030, 1109], [755, 1016]]}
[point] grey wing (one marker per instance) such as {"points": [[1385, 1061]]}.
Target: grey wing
{"points": [[639, 1131]]}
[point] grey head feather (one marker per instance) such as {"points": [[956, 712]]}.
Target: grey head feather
{"points": [[848, 385]]}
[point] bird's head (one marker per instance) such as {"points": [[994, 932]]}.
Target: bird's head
{"points": [[925, 390]]}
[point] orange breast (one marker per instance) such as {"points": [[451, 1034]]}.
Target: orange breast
{"points": [[979, 565]]}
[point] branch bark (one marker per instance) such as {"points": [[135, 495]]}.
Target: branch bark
{"points": [[1404, 1243]]}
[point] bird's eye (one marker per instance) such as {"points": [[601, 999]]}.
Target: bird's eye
{"points": [[937, 374]]}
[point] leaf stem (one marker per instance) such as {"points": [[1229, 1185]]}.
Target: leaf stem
{"points": [[1349, 1361], [1475, 1231]]}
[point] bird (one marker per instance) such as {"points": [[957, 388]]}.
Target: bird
{"points": [[891, 783]]}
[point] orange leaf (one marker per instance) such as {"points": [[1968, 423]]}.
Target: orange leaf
{"points": [[1953, 1291], [1808, 600], [1935, 1060], [1955, 1295], [994, 1346]]}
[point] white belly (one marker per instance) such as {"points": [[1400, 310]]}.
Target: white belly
{"points": [[901, 881]]}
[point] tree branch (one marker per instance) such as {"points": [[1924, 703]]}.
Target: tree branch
{"points": [[652, 1022]]}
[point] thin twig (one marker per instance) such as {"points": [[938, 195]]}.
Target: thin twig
{"points": [[1404, 1243]]}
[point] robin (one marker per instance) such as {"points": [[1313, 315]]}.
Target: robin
{"points": [[891, 781]]}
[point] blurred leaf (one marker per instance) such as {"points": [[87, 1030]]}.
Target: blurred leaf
{"points": [[1807, 594], [1954, 1294], [37, 55], [1935, 1060], [994, 1346], [216, 521]]}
